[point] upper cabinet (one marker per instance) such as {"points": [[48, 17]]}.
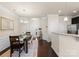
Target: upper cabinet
{"points": [[6, 23]]}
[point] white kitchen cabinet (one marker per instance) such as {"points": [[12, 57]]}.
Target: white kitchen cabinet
{"points": [[6, 23]]}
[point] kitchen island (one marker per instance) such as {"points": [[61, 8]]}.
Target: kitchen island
{"points": [[65, 45]]}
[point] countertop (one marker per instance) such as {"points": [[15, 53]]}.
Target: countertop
{"points": [[65, 34]]}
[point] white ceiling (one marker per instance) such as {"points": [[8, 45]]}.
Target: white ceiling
{"points": [[37, 9]]}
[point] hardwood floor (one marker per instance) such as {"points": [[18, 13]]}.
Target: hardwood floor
{"points": [[6, 54], [45, 50]]}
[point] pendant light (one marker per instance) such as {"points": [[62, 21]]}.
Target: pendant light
{"points": [[66, 18]]}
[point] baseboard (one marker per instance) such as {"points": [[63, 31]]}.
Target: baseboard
{"points": [[4, 50]]}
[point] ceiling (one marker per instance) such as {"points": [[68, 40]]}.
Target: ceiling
{"points": [[38, 9]]}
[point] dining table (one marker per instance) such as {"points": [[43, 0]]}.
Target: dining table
{"points": [[25, 40]]}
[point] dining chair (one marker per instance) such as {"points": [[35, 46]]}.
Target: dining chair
{"points": [[15, 45]]}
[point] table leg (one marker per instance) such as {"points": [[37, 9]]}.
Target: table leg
{"points": [[26, 46]]}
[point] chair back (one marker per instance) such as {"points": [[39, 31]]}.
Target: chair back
{"points": [[14, 41], [28, 33]]}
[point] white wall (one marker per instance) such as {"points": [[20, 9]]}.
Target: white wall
{"points": [[34, 25], [24, 27], [6, 13], [63, 24], [44, 26], [57, 24], [4, 35], [52, 25]]}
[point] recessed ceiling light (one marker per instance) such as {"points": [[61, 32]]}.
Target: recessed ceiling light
{"points": [[25, 21], [21, 21], [34, 18], [74, 11], [59, 11]]}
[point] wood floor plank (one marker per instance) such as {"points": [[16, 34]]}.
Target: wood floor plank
{"points": [[44, 50]]}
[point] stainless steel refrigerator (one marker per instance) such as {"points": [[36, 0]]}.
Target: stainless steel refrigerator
{"points": [[72, 29]]}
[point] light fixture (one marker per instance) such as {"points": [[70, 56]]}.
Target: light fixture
{"points": [[36, 39], [59, 11], [34, 18], [25, 21], [66, 18], [74, 11], [21, 21]]}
